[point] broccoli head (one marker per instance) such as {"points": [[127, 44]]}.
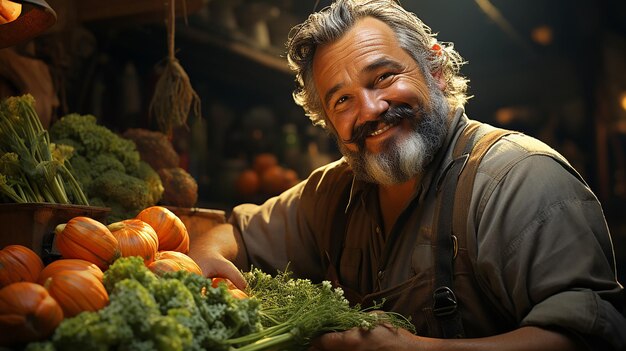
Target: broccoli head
{"points": [[91, 331], [107, 166], [176, 301], [95, 139], [117, 188], [154, 147], [152, 180], [131, 267]]}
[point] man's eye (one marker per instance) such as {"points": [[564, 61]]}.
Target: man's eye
{"points": [[383, 77], [341, 100]]}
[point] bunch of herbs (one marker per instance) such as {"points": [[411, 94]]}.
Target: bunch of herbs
{"points": [[31, 168]]}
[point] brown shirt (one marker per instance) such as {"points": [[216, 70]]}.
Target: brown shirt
{"points": [[538, 251]]}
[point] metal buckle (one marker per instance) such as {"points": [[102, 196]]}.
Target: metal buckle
{"points": [[444, 302], [455, 246]]}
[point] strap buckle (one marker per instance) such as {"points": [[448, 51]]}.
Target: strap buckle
{"points": [[444, 302]]}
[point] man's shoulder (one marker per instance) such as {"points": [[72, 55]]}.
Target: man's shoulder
{"points": [[517, 146], [331, 175], [327, 188]]}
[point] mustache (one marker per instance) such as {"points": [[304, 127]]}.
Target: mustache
{"points": [[394, 115]]}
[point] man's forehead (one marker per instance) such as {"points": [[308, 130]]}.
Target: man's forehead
{"points": [[368, 35]]}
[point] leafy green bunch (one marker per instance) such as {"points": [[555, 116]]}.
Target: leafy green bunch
{"points": [[294, 311], [32, 169], [108, 166]]}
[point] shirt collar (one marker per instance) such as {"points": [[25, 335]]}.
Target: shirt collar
{"points": [[457, 123]]}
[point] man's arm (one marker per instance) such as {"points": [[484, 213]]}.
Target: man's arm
{"points": [[219, 252], [388, 338]]}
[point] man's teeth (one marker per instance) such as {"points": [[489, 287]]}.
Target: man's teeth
{"points": [[381, 130]]}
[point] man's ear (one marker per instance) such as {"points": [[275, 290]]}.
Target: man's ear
{"points": [[439, 79]]}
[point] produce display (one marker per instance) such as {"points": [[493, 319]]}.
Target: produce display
{"points": [[101, 296], [265, 177]]}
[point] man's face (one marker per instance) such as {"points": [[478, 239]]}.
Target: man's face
{"points": [[387, 118]]}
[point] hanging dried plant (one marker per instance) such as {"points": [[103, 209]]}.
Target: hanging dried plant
{"points": [[174, 97]]}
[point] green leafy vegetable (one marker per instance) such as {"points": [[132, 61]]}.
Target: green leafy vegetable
{"points": [[108, 166], [294, 311]]}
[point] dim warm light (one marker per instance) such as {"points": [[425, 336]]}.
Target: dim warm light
{"points": [[9, 11], [622, 101], [542, 35]]}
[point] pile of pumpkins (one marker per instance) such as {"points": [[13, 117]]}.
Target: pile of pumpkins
{"points": [[34, 298]]}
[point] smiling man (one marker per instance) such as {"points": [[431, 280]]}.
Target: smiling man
{"points": [[531, 266]]}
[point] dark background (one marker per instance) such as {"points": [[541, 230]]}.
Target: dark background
{"points": [[555, 69]]}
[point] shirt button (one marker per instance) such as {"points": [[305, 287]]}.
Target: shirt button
{"points": [[378, 231], [381, 275]]}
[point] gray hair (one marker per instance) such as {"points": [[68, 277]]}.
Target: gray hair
{"points": [[415, 37]]}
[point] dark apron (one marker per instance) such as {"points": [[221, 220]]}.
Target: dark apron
{"points": [[414, 300]]}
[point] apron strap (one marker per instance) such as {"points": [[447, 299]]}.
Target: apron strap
{"points": [[454, 193]]}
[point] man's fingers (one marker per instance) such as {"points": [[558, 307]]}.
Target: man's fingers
{"points": [[226, 269]]}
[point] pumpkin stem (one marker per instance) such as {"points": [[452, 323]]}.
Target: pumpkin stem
{"points": [[116, 226], [47, 283], [59, 228]]}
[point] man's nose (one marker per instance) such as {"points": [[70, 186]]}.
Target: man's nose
{"points": [[372, 105]]}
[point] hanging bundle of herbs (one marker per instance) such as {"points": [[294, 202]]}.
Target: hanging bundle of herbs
{"points": [[174, 97]]}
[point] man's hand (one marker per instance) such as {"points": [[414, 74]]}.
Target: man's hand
{"points": [[218, 253], [382, 337], [215, 265], [385, 337]]}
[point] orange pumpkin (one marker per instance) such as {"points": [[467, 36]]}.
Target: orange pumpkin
{"points": [[136, 238], [232, 289], [170, 229], [19, 263], [69, 264], [160, 267], [87, 239], [185, 261], [215, 282], [238, 293], [27, 313], [77, 291]]}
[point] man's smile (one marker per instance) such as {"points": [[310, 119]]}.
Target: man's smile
{"points": [[381, 130]]}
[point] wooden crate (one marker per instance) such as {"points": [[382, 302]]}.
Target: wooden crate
{"points": [[198, 220], [32, 224]]}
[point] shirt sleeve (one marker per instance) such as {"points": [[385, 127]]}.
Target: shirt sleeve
{"points": [[275, 234], [544, 251], [288, 230]]}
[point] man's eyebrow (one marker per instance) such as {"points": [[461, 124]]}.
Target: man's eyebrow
{"points": [[331, 92], [383, 62]]}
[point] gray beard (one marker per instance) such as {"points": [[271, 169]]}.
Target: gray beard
{"points": [[401, 160]]}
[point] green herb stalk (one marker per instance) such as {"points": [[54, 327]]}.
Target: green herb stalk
{"points": [[294, 311], [29, 171]]}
